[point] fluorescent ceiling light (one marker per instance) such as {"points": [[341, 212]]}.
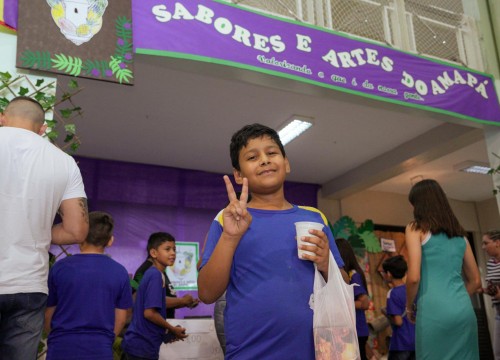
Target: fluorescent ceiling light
{"points": [[293, 128], [473, 167]]}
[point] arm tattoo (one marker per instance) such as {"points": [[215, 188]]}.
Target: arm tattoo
{"points": [[85, 210]]}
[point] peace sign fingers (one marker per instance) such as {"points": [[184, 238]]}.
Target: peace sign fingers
{"points": [[236, 217], [231, 194]]}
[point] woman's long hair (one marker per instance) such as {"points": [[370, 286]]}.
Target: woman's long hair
{"points": [[432, 211], [349, 258]]}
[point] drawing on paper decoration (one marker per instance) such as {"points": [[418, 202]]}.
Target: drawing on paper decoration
{"points": [[183, 274], [78, 20], [183, 263]]}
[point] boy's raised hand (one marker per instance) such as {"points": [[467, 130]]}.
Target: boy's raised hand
{"points": [[236, 217]]}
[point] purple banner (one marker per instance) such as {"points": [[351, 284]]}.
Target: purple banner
{"points": [[10, 13], [218, 32]]}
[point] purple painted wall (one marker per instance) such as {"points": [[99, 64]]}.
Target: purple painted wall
{"points": [[144, 199]]}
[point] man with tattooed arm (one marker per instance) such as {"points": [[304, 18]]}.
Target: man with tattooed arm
{"points": [[37, 180]]}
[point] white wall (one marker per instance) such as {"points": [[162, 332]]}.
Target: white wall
{"points": [[391, 209]]}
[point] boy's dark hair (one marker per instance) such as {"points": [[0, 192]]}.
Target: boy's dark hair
{"points": [[241, 138], [396, 265], [158, 238], [100, 228]]}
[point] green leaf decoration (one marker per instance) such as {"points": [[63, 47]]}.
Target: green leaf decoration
{"points": [[73, 84], [121, 31], [69, 64], [95, 68], [53, 135], [366, 226], [123, 75], [66, 113], [344, 228], [70, 129], [69, 137], [39, 59], [371, 241], [124, 49], [51, 123], [74, 146], [5, 76], [4, 102], [47, 101], [23, 91], [356, 241], [114, 64], [39, 82]]}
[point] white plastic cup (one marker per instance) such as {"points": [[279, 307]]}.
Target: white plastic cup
{"points": [[302, 228]]}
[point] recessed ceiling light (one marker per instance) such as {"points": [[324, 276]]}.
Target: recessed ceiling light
{"points": [[295, 126], [472, 167]]}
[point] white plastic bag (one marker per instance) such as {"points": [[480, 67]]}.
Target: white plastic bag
{"points": [[334, 321]]}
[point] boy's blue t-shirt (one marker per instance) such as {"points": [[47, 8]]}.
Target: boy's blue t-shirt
{"points": [[267, 301], [403, 337], [86, 289], [361, 324], [143, 338]]}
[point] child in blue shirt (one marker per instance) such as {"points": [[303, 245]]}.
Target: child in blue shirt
{"points": [[251, 251], [148, 328], [89, 294], [402, 346], [361, 298]]}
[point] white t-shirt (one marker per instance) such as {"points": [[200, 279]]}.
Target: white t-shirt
{"points": [[35, 177]]}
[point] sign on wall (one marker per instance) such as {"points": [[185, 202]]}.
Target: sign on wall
{"points": [[215, 31], [183, 274], [86, 38]]}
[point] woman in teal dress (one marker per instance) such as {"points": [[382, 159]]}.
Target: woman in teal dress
{"points": [[446, 326]]}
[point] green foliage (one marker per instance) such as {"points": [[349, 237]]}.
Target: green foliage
{"points": [[371, 241], [23, 91], [5, 77], [122, 32], [73, 84], [121, 74], [344, 228], [75, 66], [361, 239], [366, 226], [357, 245], [69, 64], [63, 120], [97, 68], [36, 59]]}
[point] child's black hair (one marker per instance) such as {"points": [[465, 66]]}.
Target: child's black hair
{"points": [[241, 138], [158, 238], [349, 257], [396, 265], [101, 226]]}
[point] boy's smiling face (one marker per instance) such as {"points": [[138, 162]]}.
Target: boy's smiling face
{"points": [[263, 164]]}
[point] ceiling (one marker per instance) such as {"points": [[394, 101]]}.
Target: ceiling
{"points": [[182, 113]]}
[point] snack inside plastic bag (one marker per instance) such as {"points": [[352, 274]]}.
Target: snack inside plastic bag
{"points": [[334, 321]]}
